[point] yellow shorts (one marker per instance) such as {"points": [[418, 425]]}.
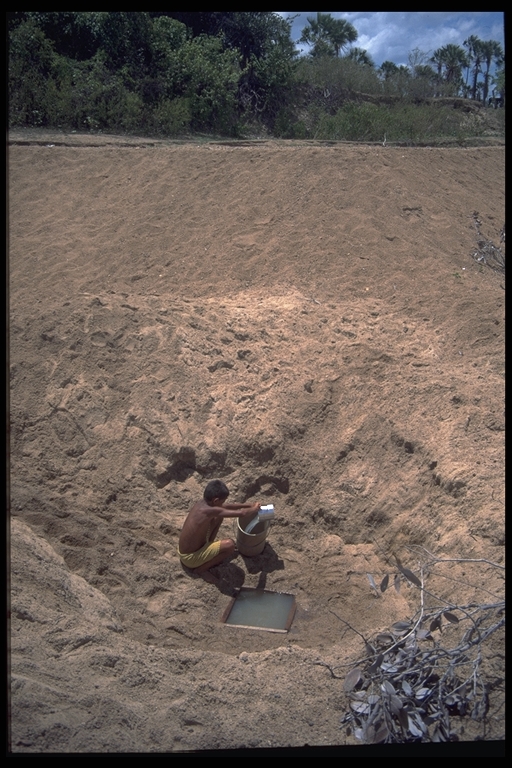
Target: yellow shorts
{"points": [[203, 555]]}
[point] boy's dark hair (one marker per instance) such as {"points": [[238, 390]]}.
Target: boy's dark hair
{"points": [[216, 489]]}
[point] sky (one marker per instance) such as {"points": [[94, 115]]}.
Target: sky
{"points": [[391, 35]]}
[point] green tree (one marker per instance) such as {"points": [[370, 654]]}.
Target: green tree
{"points": [[267, 59], [74, 34], [491, 50], [360, 56], [472, 43], [475, 59], [207, 76], [168, 36], [387, 69], [450, 61], [454, 61], [328, 36], [32, 74], [251, 32], [499, 83], [126, 38], [341, 33], [263, 43]]}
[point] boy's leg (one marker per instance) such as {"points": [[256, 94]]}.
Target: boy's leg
{"points": [[227, 548]]}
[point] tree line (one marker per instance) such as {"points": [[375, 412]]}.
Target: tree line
{"points": [[328, 36], [170, 74]]}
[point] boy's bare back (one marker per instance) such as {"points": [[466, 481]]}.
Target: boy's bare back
{"points": [[198, 526]]}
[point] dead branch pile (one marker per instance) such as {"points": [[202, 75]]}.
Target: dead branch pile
{"points": [[423, 672], [486, 252]]}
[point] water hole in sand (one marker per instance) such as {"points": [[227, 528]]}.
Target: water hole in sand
{"points": [[260, 609]]}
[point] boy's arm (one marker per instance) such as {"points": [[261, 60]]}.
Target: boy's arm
{"points": [[246, 505], [233, 510]]}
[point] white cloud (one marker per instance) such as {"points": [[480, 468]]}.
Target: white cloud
{"points": [[391, 36]]}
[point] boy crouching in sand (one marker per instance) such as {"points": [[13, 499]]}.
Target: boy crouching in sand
{"points": [[197, 547]]}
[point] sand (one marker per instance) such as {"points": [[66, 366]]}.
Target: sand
{"points": [[308, 323]]}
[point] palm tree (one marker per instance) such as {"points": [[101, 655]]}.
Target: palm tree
{"points": [[387, 69], [472, 44], [360, 56], [477, 58], [499, 82], [316, 33], [491, 49], [453, 58], [341, 34], [438, 59], [328, 36]]}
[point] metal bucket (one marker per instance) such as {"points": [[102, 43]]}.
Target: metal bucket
{"points": [[251, 544]]}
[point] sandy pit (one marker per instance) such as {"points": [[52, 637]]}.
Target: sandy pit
{"points": [[308, 323]]}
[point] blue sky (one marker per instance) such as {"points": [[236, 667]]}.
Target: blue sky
{"points": [[390, 35]]}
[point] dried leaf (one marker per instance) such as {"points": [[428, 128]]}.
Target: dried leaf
{"points": [[462, 690], [384, 638], [406, 688], [389, 668], [435, 624], [396, 704], [369, 649], [401, 626], [360, 707], [429, 719], [423, 634], [387, 687], [409, 575], [352, 679], [422, 692], [384, 583], [397, 582], [451, 617], [372, 581], [373, 698], [418, 719], [381, 735], [403, 718], [358, 695], [376, 664], [413, 728]]}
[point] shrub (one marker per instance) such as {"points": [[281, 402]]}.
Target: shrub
{"points": [[403, 123], [172, 118]]}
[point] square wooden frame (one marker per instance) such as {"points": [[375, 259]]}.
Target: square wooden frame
{"points": [[289, 618]]}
